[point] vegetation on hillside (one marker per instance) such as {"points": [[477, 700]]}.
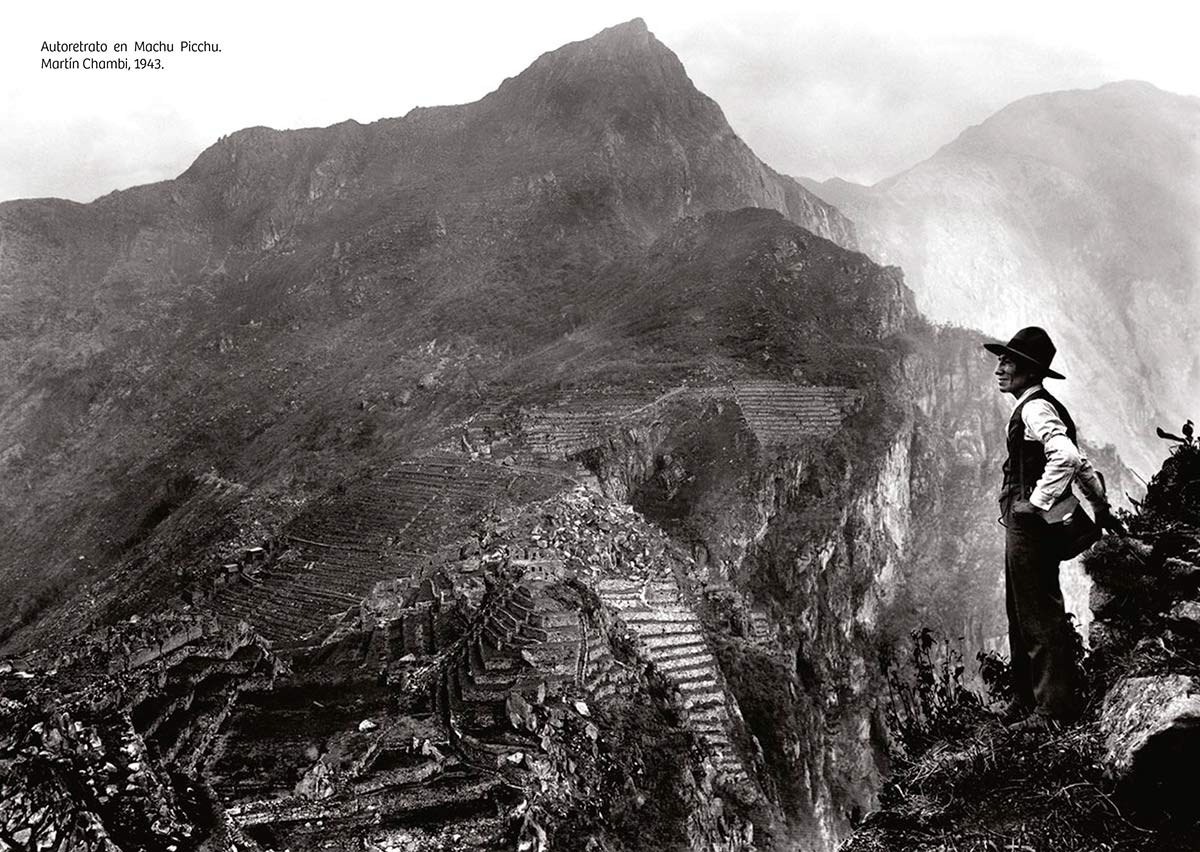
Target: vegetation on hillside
{"points": [[965, 782]]}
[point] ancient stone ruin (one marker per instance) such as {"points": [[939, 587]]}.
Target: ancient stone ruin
{"points": [[428, 659]]}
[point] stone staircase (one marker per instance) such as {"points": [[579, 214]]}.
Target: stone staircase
{"points": [[761, 630], [674, 640]]}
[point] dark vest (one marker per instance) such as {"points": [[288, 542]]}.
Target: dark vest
{"points": [[1027, 459]]}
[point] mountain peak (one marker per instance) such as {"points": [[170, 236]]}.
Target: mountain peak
{"points": [[1073, 209], [633, 28], [626, 52], [632, 36], [1131, 86], [1118, 111]]}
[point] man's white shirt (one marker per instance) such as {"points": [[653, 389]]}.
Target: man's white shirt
{"points": [[1065, 464]]}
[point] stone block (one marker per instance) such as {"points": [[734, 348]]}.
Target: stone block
{"points": [[1181, 570], [1185, 617], [1151, 729]]}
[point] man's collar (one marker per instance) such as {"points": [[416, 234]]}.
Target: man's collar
{"points": [[1030, 391]]}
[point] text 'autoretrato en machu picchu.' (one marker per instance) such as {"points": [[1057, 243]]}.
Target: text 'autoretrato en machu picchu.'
{"points": [[117, 55]]}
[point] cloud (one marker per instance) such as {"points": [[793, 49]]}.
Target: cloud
{"points": [[825, 101], [83, 157]]}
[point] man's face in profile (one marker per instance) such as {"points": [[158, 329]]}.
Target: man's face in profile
{"points": [[1014, 377]]}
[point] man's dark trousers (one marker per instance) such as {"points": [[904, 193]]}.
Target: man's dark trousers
{"points": [[1044, 671]]}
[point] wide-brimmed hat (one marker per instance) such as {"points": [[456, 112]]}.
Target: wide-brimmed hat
{"points": [[1033, 347]]}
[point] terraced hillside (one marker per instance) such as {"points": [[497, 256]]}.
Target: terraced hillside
{"points": [[779, 413], [387, 527], [786, 413], [379, 529], [298, 304], [670, 548]]}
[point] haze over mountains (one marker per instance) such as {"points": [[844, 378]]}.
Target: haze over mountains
{"points": [[1076, 211]]}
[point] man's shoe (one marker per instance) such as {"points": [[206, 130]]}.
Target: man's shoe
{"points": [[1014, 711], [1037, 721]]}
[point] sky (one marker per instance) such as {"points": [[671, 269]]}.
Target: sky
{"points": [[859, 89]]}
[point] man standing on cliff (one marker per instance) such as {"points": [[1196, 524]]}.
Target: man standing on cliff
{"points": [[1043, 462]]}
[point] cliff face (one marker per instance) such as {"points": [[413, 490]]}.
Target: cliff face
{"points": [[1071, 211], [813, 556], [1137, 737]]}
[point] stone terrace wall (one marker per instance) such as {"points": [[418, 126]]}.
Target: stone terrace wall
{"points": [[92, 748]]}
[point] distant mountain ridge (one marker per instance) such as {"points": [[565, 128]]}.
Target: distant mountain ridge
{"points": [[1073, 210]]}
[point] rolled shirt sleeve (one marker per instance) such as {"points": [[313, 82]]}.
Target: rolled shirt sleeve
{"points": [[1063, 460], [1090, 485]]}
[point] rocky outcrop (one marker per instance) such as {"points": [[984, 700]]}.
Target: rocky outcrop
{"points": [[1146, 594], [1114, 778], [1151, 728]]}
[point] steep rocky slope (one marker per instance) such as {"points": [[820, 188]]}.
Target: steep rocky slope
{"points": [[101, 751], [277, 315], [1113, 780], [1074, 211]]}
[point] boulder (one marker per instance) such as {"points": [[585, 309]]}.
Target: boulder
{"points": [[1181, 571], [1151, 729], [1185, 618], [427, 381], [1103, 601]]}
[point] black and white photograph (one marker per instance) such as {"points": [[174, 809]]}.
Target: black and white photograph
{"points": [[622, 427]]}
